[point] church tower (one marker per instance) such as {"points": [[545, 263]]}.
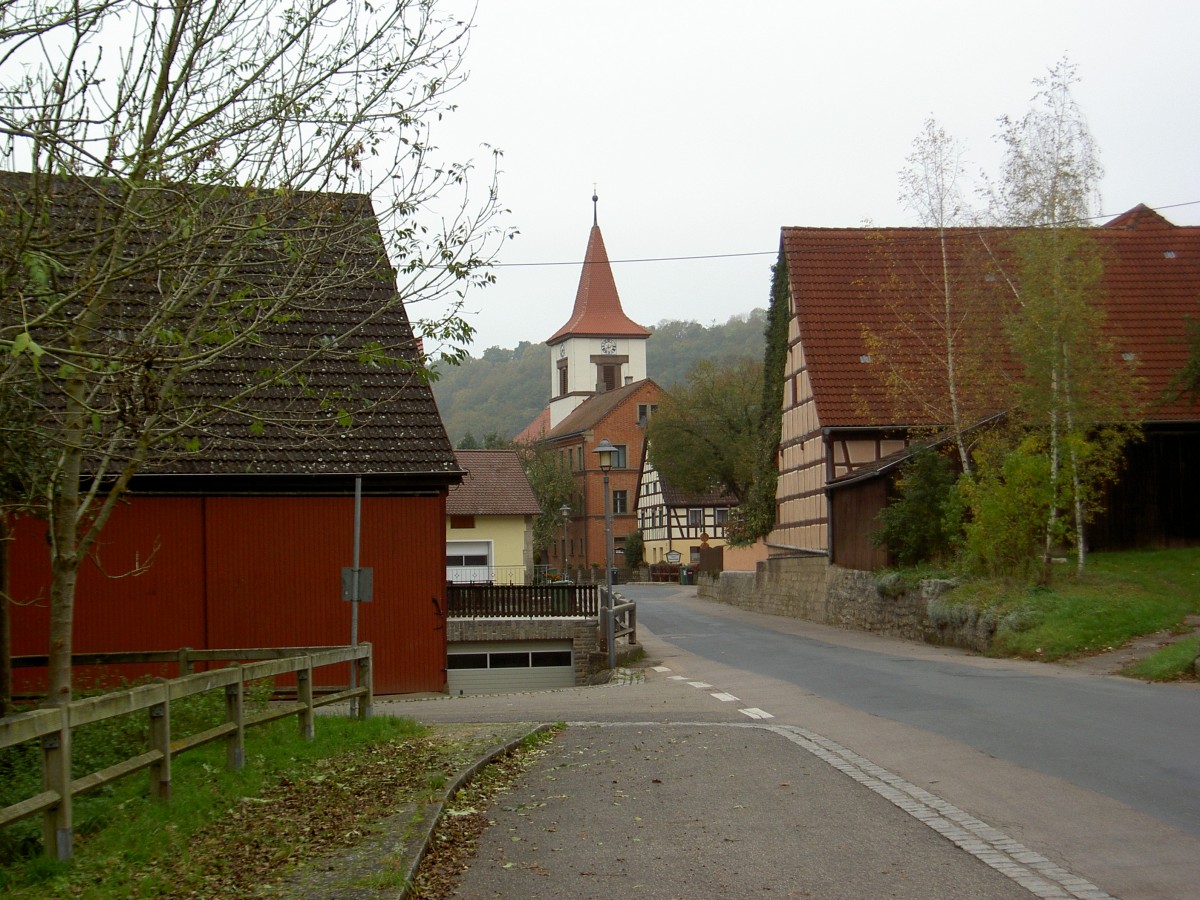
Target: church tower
{"points": [[599, 348]]}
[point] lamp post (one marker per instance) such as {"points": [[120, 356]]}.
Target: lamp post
{"points": [[565, 512], [605, 450]]}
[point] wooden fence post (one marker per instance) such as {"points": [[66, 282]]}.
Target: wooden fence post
{"points": [[160, 740], [57, 825], [304, 693], [235, 744], [366, 701], [186, 665]]}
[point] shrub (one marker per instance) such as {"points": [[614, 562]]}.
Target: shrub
{"points": [[923, 523]]}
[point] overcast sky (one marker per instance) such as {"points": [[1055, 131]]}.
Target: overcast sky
{"points": [[707, 126]]}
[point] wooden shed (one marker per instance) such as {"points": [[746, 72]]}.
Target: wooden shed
{"points": [[240, 541]]}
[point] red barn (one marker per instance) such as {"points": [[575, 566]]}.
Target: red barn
{"points": [[241, 541]]}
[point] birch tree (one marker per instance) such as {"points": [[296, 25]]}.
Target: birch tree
{"points": [[1073, 386], [190, 187], [935, 342]]}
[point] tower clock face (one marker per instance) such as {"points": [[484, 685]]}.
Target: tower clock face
{"points": [[608, 346], [562, 350]]}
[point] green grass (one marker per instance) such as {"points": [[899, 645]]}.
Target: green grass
{"points": [[1169, 663], [123, 837], [1119, 597]]}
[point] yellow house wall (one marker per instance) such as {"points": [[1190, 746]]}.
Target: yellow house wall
{"points": [[510, 537]]}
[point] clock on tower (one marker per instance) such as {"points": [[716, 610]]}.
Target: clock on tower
{"points": [[608, 346]]}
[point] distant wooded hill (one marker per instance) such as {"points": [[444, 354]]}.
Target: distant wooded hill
{"points": [[501, 392]]}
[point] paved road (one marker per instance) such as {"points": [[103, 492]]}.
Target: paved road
{"points": [[795, 694], [1136, 743]]}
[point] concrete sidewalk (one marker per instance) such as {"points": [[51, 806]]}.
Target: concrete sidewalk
{"points": [[709, 810]]}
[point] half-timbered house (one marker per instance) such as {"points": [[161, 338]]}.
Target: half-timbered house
{"points": [[842, 422]]}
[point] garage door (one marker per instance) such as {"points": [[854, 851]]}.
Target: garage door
{"points": [[494, 667]]}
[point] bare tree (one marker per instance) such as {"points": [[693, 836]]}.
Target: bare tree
{"points": [[189, 241]]}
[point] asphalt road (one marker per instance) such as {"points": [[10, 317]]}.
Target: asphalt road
{"points": [[1135, 743], [1083, 783]]}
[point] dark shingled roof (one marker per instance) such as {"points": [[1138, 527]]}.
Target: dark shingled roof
{"points": [[1150, 287], [494, 485], [345, 409]]}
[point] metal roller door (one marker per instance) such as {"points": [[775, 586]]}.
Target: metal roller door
{"points": [[495, 667]]}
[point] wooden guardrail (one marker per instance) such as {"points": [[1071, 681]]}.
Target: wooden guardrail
{"points": [[53, 726], [516, 601], [625, 621]]}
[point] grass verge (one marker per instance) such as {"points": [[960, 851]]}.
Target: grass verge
{"points": [[1118, 598], [1169, 664], [224, 833]]}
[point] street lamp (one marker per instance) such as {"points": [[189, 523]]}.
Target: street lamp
{"points": [[605, 450], [565, 512]]}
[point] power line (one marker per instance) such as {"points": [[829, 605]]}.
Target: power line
{"points": [[654, 259]]}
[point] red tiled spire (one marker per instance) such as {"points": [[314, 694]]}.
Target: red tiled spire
{"points": [[597, 309]]}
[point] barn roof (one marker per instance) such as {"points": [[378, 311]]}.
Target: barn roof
{"points": [[327, 406], [494, 484], [1150, 287]]}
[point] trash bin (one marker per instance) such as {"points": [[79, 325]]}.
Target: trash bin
{"points": [[685, 575]]}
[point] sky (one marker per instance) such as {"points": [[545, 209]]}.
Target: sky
{"points": [[705, 127]]}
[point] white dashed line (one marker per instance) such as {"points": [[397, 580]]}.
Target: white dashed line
{"points": [[724, 698], [678, 678], [700, 684], [755, 713], [660, 668]]}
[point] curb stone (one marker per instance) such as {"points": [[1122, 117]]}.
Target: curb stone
{"points": [[405, 835], [416, 848]]}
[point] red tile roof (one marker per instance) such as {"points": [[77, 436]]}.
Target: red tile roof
{"points": [[597, 310], [494, 485], [535, 430], [596, 408], [1151, 283]]}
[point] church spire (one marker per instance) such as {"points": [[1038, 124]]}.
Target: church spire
{"points": [[597, 309]]}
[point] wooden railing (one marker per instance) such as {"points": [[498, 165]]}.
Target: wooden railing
{"points": [[53, 726], [505, 601], [625, 621]]}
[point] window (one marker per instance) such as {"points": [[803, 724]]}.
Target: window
{"points": [[463, 522], [460, 560], [620, 502], [562, 380], [608, 377], [645, 411], [722, 515], [695, 517], [620, 457]]}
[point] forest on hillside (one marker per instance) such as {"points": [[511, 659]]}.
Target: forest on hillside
{"points": [[502, 390]]}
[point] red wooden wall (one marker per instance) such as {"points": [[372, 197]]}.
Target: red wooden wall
{"points": [[249, 572]]}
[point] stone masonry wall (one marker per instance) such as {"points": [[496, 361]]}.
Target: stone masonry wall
{"points": [[811, 589], [582, 633]]}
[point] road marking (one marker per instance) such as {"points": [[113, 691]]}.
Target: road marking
{"points": [[1029, 869], [724, 698], [700, 684], [755, 713], [661, 668], [677, 678]]}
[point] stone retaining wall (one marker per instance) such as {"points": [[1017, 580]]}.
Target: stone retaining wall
{"points": [[582, 633], [810, 588]]}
